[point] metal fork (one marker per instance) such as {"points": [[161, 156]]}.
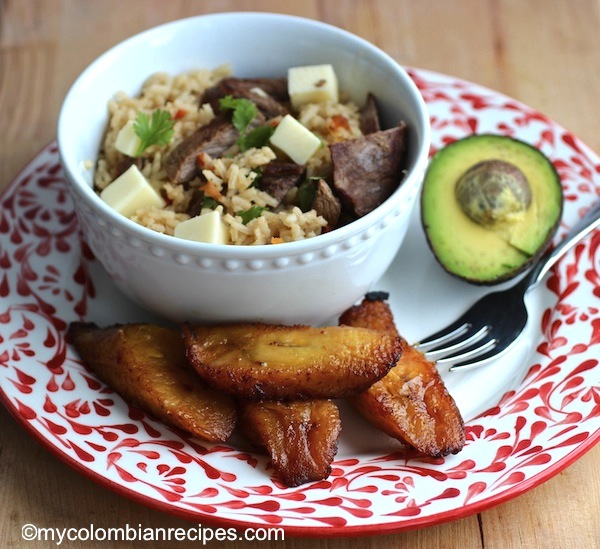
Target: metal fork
{"points": [[492, 325]]}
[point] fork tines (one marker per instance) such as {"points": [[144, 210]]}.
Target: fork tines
{"points": [[462, 345]]}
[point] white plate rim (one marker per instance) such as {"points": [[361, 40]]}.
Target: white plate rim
{"points": [[347, 530]]}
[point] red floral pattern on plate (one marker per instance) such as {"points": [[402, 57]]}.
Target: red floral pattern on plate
{"points": [[539, 425]]}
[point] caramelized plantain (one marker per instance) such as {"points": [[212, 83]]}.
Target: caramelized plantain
{"points": [[274, 362], [411, 403], [300, 436], [146, 365]]}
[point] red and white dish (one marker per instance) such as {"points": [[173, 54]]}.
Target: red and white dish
{"points": [[528, 415]]}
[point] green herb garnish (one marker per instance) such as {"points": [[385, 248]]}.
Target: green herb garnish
{"points": [[209, 202], [258, 137], [258, 171], [250, 214], [154, 129], [244, 112], [307, 191]]}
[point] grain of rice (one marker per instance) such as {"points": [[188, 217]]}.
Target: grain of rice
{"points": [[160, 220]]}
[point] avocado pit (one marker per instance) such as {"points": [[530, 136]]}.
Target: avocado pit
{"points": [[493, 191], [490, 206]]}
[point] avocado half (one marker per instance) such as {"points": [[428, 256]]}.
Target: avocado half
{"points": [[489, 236]]}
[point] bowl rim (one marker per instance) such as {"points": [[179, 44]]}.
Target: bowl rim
{"points": [[140, 233]]}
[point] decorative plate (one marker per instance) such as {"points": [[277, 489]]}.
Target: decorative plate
{"points": [[528, 415]]}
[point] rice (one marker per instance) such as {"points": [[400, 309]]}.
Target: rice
{"points": [[230, 178], [159, 220]]}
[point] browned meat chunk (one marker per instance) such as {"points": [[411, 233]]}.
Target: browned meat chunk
{"points": [[369, 116], [269, 94], [125, 163], [275, 87], [326, 204], [213, 138], [367, 170], [279, 177]]}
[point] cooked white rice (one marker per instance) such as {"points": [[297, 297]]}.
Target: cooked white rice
{"points": [[229, 177]]}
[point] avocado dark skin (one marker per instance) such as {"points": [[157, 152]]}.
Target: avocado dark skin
{"points": [[490, 206]]}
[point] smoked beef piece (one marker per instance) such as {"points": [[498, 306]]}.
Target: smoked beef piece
{"points": [[277, 88], [367, 170], [125, 163], [369, 116], [213, 139], [196, 202], [326, 204], [279, 177], [271, 102]]}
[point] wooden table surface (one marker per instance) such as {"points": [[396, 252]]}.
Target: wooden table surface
{"points": [[545, 53]]}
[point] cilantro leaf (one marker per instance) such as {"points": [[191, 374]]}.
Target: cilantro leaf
{"points": [[209, 202], [258, 137], [250, 214], [259, 173], [244, 111], [307, 191], [154, 129]]}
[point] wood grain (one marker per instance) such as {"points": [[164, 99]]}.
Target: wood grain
{"points": [[543, 52]]}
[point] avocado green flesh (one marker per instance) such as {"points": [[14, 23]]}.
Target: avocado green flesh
{"points": [[470, 250]]}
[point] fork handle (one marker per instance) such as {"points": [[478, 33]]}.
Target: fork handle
{"points": [[582, 228]]}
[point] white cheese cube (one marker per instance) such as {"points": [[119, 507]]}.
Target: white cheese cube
{"points": [[295, 140], [130, 192], [312, 84], [127, 140], [206, 227]]}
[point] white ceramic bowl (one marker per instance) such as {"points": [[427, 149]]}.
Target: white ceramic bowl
{"points": [[309, 281]]}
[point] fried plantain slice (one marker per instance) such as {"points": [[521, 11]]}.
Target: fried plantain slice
{"points": [[299, 436], [147, 366], [411, 403], [274, 362]]}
